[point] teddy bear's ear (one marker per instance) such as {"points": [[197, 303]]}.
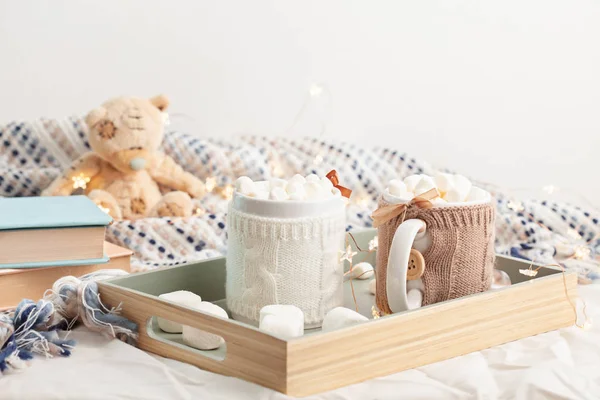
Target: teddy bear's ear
{"points": [[161, 102], [95, 116]]}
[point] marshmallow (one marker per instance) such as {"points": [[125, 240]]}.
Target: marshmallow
{"points": [[297, 179], [362, 270], [336, 192], [444, 182], [247, 188], [438, 201], [341, 317], [397, 188], [295, 188], [200, 339], [314, 190], [462, 186], [477, 194], [277, 183], [240, 180], [262, 195], [313, 178], [262, 186], [326, 184], [426, 183], [411, 181], [454, 196], [278, 193], [373, 286], [297, 197], [285, 321], [181, 297], [414, 298]]}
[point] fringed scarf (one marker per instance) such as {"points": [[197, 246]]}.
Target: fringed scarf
{"points": [[34, 327]]}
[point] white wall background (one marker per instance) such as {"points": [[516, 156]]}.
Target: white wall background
{"points": [[507, 91]]}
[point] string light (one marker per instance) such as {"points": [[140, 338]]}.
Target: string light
{"points": [[549, 189], [318, 159], [362, 201], [80, 181], [227, 192], [533, 272], [515, 206], [374, 243], [315, 90], [166, 120], [198, 212], [211, 183], [375, 313], [581, 252], [528, 272], [277, 170], [348, 254]]}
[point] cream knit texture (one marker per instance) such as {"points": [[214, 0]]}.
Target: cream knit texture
{"points": [[293, 261], [460, 259]]}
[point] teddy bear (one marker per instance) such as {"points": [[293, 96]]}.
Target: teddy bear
{"points": [[123, 172]]}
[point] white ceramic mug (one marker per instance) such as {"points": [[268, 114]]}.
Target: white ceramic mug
{"points": [[284, 252]]}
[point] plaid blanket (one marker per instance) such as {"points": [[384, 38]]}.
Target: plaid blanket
{"points": [[33, 153]]}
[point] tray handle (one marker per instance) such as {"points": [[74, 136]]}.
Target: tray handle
{"points": [[247, 347]]}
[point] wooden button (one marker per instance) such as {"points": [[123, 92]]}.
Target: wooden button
{"points": [[416, 265]]}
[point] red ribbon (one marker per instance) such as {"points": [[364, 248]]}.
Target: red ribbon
{"points": [[333, 177]]}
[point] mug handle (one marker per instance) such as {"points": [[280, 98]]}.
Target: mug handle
{"points": [[398, 260]]}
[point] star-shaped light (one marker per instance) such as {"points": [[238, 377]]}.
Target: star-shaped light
{"points": [[227, 192], [528, 272], [165, 118], [80, 181], [277, 170], [375, 313], [211, 183], [362, 201], [582, 252], [374, 243], [348, 254], [515, 206]]}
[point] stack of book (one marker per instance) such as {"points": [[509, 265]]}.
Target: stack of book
{"points": [[45, 238]]}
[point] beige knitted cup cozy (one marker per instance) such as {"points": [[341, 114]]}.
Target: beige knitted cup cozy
{"points": [[460, 259]]}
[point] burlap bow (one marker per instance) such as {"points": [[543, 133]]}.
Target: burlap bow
{"points": [[333, 177], [391, 211]]}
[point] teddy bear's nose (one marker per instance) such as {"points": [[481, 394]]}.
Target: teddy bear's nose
{"points": [[137, 164]]}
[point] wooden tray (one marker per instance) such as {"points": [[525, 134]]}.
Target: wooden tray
{"points": [[321, 361]]}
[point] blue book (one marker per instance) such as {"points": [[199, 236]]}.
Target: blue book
{"points": [[51, 231]]}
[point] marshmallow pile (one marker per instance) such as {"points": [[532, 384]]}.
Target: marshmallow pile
{"points": [[452, 188], [297, 188], [193, 337]]}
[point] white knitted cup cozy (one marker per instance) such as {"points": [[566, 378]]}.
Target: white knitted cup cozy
{"points": [[291, 261]]}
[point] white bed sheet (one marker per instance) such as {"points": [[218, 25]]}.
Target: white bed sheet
{"points": [[561, 364]]}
